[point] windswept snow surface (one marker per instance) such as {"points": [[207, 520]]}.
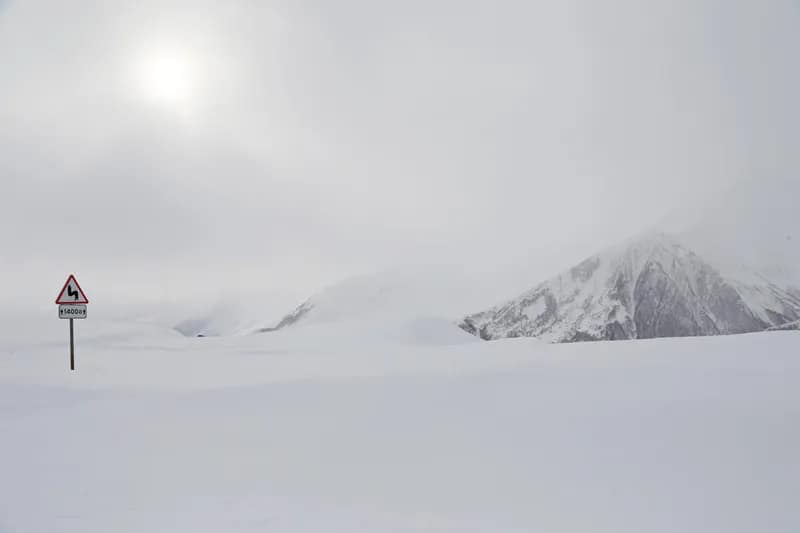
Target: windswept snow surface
{"points": [[359, 427]]}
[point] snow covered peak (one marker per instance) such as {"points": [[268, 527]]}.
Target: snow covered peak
{"points": [[651, 286]]}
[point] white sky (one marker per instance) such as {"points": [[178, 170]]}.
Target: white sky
{"points": [[180, 149]]}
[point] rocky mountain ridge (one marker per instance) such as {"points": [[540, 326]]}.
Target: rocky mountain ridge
{"points": [[654, 286]]}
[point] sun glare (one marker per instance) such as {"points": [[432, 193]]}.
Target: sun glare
{"points": [[167, 77]]}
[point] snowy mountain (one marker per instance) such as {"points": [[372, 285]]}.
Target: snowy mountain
{"points": [[654, 286]]}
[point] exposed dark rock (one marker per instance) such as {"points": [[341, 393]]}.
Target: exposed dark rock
{"points": [[290, 319], [584, 271], [791, 326]]}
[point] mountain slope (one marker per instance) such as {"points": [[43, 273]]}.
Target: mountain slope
{"points": [[791, 326], [394, 298], [652, 287]]}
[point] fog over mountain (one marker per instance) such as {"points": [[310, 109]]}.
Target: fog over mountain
{"points": [[709, 268], [753, 224], [732, 266]]}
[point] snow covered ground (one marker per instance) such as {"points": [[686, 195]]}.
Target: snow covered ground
{"points": [[370, 427]]}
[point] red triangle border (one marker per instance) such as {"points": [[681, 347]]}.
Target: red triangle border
{"points": [[71, 278]]}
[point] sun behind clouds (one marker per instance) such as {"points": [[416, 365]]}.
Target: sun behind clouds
{"points": [[168, 76]]}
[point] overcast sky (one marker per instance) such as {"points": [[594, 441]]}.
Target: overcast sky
{"points": [[174, 149]]}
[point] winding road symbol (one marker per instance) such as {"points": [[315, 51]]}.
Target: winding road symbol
{"points": [[72, 293]]}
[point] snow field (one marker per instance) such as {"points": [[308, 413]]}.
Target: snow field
{"points": [[341, 429]]}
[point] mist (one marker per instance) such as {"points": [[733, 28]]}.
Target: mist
{"points": [[308, 142]]}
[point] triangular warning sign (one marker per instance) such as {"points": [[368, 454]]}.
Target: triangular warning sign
{"points": [[72, 293]]}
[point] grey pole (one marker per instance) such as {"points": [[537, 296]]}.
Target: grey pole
{"points": [[71, 345]]}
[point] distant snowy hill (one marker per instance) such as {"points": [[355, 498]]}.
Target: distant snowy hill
{"points": [[654, 286], [391, 298], [235, 315]]}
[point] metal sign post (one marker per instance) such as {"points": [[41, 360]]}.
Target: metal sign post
{"points": [[71, 344], [72, 305]]}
